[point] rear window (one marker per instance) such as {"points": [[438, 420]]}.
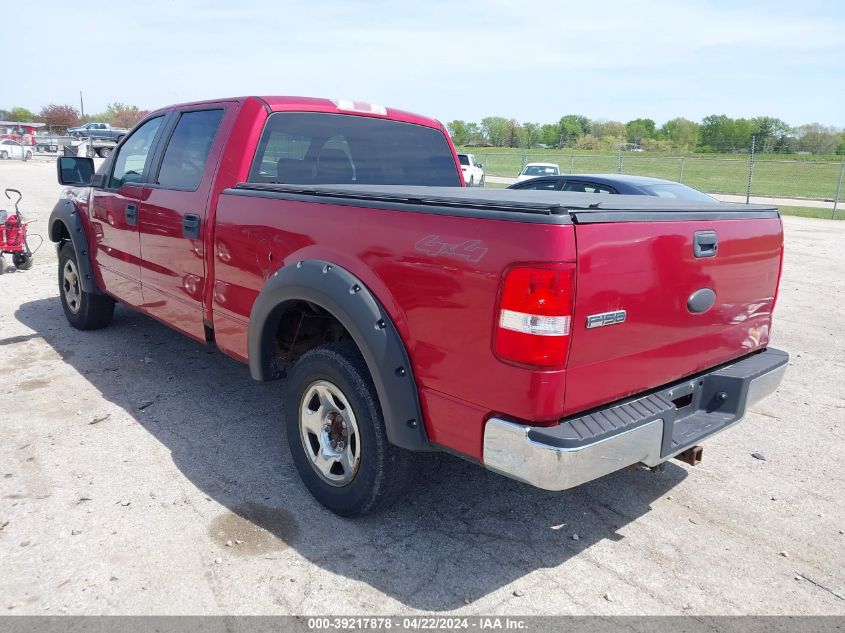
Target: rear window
{"points": [[319, 148], [676, 192], [463, 159]]}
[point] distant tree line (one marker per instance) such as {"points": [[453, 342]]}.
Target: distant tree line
{"points": [[715, 133], [60, 117]]}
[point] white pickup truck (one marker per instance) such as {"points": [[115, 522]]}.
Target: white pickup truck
{"points": [[472, 170]]}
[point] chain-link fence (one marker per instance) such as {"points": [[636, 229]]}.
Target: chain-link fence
{"points": [[800, 183]]}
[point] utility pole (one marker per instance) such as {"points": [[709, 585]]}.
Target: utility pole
{"points": [[81, 106]]}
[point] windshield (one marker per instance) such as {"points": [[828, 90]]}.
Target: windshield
{"points": [[676, 192], [541, 170], [320, 148]]}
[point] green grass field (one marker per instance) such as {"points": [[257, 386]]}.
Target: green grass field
{"points": [[810, 212], [773, 175]]}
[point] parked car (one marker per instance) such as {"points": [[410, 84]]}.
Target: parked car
{"points": [[293, 235], [13, 149], [617, 184], [472, 170], [534, 170], [96, 130]]}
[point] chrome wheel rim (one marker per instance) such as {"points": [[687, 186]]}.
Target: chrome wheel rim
{"points": [[70, 286], [329, 433]]}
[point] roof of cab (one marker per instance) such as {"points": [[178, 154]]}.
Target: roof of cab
{"points": [[313, 104]]}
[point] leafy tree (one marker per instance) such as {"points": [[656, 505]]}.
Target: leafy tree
{"points": [[474, 135], [683, 133], [513, 133], [640, 129], [59, 117], [604, 128], [21, 114], [550, 135], [770, 132], [817, 138], [458, 132], [716, 133], [495, 130], [572, 127], [531, 134]]}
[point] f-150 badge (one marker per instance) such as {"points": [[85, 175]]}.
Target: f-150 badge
{"points": [[606, 318]]}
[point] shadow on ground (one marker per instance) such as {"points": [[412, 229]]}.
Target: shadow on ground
{"points": [[460, 534]]}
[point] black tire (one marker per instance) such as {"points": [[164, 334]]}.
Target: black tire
{"points": [[120, 138], [481, 182], [4, 155], [2, 264], [22, 261], [83, 310], [471, 181], [384, 470], [27, 156], [104, 152]]}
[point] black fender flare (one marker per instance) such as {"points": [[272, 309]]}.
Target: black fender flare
{"points": [[340, 293], [65, 214]]}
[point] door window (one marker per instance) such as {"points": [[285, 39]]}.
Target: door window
{"points": [[133, 155], [545, 185], [586, 187], [187, 151]]}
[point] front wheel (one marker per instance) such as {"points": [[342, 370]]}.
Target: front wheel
{"points": [[481, 182], [28, 156], [2, 264], [4, 155], [83, 310], [336, 433]]}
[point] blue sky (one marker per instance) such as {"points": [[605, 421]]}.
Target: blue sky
{"points": [[534, 61]]}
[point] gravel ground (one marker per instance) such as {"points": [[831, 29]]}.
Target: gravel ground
{"points": [[143, 473]]}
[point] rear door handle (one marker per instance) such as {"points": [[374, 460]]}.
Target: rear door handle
{"points": [[705, 244], [191, 226], [132, 214]]}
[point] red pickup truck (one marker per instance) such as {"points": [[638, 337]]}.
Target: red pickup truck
{"points": [[552, 337]]}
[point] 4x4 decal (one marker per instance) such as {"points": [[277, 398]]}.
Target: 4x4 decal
{"points": [[468, 250]]}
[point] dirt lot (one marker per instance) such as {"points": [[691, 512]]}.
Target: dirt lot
{"points": [[143, 473]]}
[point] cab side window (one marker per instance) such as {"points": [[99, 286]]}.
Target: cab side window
{"points": [[131, 159], [187, 150]]}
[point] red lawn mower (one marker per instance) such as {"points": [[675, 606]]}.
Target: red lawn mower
{"points": [[13, 237]]}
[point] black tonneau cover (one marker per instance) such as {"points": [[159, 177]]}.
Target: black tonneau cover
{"points": [[557, 206]]}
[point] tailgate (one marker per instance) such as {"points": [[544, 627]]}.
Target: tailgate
{"points": [[661, 273]]}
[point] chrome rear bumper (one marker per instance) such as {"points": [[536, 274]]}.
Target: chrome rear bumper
{"points": [[581, 449]]}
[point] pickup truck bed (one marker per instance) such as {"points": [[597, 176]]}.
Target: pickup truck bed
{"points": [[550, 336]]}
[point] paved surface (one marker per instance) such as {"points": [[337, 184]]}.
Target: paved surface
{"points": [[727, 197], [144, 473]]}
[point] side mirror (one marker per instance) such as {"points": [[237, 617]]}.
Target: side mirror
{"points": [[480, 166], [75, 170]]}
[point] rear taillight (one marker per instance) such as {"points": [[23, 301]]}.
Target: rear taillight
{"points": [[535, 313], [780, 275]]}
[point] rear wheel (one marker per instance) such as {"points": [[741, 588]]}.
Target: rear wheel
{"points": [[4, 155], [22, 261], [336, 433], [83, 310], [471, 181], [2, 264], [481, 182], [104, 152]]}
